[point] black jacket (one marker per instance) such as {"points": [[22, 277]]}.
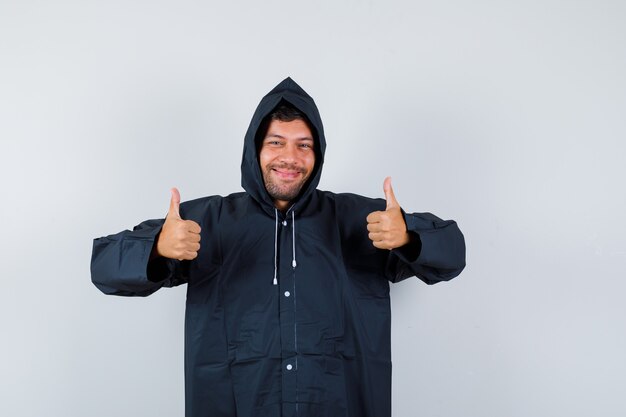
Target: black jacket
{"points": [[317, 343]]}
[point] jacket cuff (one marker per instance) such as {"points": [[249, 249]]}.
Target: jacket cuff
{"points": [[159, 268], [410, 252]]}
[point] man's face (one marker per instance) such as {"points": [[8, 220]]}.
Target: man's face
{"points": [[287, 159]]}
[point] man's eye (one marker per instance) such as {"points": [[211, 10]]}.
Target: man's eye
{"points": [[306, 145]]}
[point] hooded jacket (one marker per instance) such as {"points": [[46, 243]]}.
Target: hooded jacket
{"points": [[287, 314]]}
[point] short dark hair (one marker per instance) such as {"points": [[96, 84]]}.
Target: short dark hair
{"points": [[284, 112]]}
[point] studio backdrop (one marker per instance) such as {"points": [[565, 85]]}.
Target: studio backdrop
{"points": [[507, 117]]}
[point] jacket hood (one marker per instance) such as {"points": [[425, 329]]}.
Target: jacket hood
{"points": [[251, 177]]}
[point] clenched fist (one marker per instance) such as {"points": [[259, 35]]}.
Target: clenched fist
{"points": [[387, 229], [179, 239]]}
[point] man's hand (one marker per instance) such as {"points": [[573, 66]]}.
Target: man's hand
{"points": [[387, 229], [179, 239]]}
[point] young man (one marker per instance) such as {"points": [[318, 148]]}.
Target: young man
{"points": [[288, 308]]}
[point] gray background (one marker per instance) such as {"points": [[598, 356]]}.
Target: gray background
{"points": [[508, 117]]}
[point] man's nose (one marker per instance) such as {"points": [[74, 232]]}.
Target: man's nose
{"points": [[289, 153]]}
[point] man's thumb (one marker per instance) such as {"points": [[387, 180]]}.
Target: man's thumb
{"points": [[174, 203], [389, 195]]}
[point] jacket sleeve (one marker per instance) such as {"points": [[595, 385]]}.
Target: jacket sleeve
{"points": [[436, 251], [121, 265]]}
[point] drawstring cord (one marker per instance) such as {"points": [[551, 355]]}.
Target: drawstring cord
{"points": [[293, 238], [293, 243], [276, 248]]}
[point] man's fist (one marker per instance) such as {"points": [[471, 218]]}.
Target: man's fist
{"points": [[387, 229], [179, 239]]}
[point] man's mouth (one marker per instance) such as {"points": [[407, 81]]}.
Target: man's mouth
{"points": [[287, 174]]}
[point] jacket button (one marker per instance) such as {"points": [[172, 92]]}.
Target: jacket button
{"points": [[287, 293], [284, 222], [289, 367]]}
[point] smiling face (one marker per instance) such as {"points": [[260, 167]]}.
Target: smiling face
{"points": [[287, 160]]}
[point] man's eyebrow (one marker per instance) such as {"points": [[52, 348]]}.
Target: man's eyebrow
{"points": [[276, 135]]}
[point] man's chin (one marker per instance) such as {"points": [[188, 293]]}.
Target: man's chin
{"points": [[284, 196], [284, 189], [284, 193]]}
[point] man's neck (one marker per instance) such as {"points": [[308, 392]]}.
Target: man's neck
{"points": [[281, 205]]}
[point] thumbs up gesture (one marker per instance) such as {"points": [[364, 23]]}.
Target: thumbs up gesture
{"points": [[179, 239], [387, 229]]}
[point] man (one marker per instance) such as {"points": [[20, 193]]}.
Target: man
{"points": [[288, 308]]}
